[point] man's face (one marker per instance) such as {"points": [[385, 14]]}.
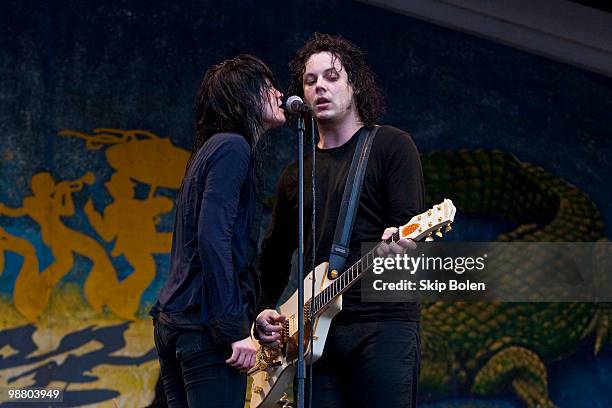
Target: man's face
{"points": [[326, 88]]}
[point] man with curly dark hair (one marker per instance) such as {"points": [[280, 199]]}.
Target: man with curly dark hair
{"points": [[371, 357]]}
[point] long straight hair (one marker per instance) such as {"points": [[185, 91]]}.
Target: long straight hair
{"points": [[232, 98]]}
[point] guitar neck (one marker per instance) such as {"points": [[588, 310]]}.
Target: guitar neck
{"points": [[420, 226], [347, 279]]}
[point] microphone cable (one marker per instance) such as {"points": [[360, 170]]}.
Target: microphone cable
{"points": [[314, 251]]}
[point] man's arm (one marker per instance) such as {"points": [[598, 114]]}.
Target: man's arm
{"points": [[404, 190], [404, 186]]}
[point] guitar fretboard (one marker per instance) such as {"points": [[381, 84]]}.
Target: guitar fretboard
{"points": [[345, 280]]}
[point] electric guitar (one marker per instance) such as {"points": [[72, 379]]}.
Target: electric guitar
{"points": [[275, 367]]}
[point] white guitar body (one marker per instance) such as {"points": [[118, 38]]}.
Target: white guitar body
{"points": [[269, 384]]}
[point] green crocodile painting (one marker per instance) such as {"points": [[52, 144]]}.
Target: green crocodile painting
{"points": [[491, 348]]}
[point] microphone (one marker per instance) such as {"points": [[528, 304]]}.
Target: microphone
{"points": [[296, 105]]}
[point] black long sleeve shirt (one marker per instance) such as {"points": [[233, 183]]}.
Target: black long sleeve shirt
{"points": [[392, 193], [211, 282]]}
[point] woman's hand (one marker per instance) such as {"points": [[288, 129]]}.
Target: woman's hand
{"points": [[243, 354]]}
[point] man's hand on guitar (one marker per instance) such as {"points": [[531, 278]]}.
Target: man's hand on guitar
{"points": [[392, 248], [243, 354], [268, 328]]}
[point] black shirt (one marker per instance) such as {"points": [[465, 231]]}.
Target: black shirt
{"points": [[211, 282], [392, 193]]}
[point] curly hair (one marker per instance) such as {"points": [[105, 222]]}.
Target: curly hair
{"points": [[368, 98]]}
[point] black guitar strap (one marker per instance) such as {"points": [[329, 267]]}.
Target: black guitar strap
{"points": [[350, 199]]}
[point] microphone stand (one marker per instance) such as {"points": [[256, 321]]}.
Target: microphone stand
{"points": [[301, 370]]}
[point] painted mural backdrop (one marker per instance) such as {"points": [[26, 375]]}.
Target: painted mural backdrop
{"points": [[83, 328], [96, 123], [80, 326]]}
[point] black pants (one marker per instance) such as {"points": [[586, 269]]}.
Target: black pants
{"points": [[194, 371], [368, 365]]}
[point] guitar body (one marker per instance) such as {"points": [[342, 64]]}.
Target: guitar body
{"points": [[276, 367]]}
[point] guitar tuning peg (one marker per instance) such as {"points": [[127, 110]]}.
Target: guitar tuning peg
{"points": [[448, 228], [439, 233], [429, 238]]}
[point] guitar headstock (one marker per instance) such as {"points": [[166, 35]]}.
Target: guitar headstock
{"points": [[431, 221]]}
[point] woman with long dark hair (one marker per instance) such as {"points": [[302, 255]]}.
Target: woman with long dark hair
{"points": [[205, 310]]}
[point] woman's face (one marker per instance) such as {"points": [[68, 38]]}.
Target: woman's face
{"points": [[273, 114]]}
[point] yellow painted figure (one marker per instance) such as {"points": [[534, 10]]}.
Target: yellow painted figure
{"points": [[132, 224], [48, 203]]}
